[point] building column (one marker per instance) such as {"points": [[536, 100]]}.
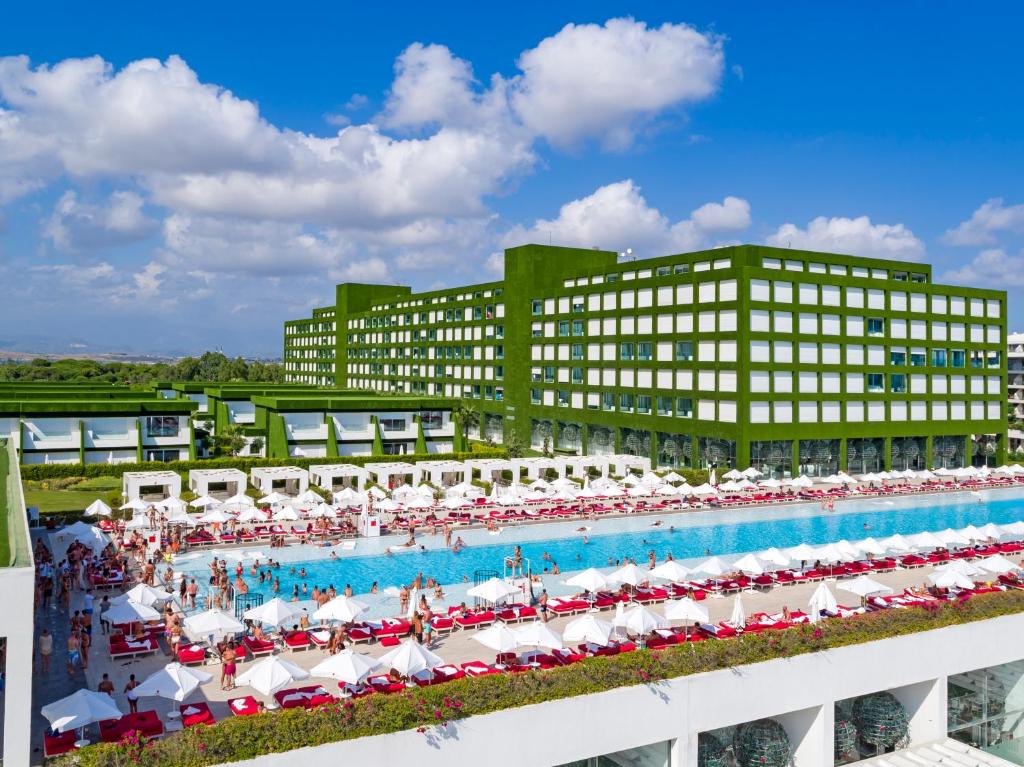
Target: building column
{"points": [[332, 436], [795, 470], [654, 449], [928, 445], [1002, 446], [694, 451], [191, 439], [888, 454], [138, 444], [617, 435], [969, 450], [378, 443], [584, 439], [421, 439], [81, 442], [554, 434], [843, 463]]}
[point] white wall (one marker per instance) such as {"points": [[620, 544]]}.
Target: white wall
{"points": [[798, 691]]}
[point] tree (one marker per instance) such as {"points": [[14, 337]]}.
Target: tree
{"points": [[545, 447], [515, 446], [228, 441], [467, 415], [256, 446]]}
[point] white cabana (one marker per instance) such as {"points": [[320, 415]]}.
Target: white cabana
{"points": [[621, 465], [98, 508], [822, 600], [221, 483], [289, 480], [490, 469], [445, 474], [535, 467], [335, 477], [154, 485], [394, 474]]}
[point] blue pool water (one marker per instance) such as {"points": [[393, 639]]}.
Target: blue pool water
{"points": [[720, 532]]}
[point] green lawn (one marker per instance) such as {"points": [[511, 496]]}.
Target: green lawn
{"points": [[60, 501]]}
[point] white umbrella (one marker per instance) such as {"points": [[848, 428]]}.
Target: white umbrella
{"points": [[310, 496], [949, 535], [685, 489], [492, 590], [998, 564], [751, 473], [173, 681], [927, 540], [252, 514], [1014, 528], [286, 514], [771, 483], [713, 566], [322, 510], [387, 505], [239, 499], [832, 553], [775, 556], [455, 503], [896, 543], [273, 613], [670, 571], [172, 504], [822, 600], [991, 530], [951, 579], [348, 494], [129, 612], [341, 608], [214, 623], [738, 619], [702, 490], [273, 498], [417, 501], [629, 574], [803, 481], [348, 666], [377, 493], [864, 586], [641, 621], [802, 553], [961, 566], [498, 637], [850, 550], [673, 477], [137, 522], [540, 484], [591, 580], [733, 474], [136, 504], [538, 634], [870, 546], [271, 674], [667, 489], [79, 709], [588, 629], [410, 658], [203, 501], [750, 564], [686, 609], [143, 594], [730, 487], [98, 508], [214, 516], [925, 474]]}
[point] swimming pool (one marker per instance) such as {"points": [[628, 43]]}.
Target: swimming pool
{"points": [[685, 535]]}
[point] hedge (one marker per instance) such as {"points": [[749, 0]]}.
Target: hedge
{"points": [[41, 471], [423, 709]]}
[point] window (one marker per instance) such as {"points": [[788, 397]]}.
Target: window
{"points": [[684, 407], [563, 328], [549, 374], [162, 426], [537, 307], [898, 383], [664, 405], [684, 351], [643, 403], [534, 396], [645, 351], [876, 382], [626, 351], [957, 358], [563, 398], [393, 424], [577, 351], [918, 358], [938, 358], [607, 401], [897, 357], [626, 403], [876, 326], [577, 375], [577, 327]]}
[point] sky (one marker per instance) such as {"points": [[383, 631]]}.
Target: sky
{"points": [[181, 178]]}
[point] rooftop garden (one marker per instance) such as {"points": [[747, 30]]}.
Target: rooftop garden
{"points": [[426, 709]]}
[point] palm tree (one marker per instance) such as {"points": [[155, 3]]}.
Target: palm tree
{"points": [[467, 415]]}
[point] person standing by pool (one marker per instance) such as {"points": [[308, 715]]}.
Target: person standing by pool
{"points": [[129, 693], [542, 605], [228, 667], [417, 627], [403, 599], [45, 651]]}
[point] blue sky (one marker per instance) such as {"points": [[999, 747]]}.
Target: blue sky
{"points": [[183, 179]]}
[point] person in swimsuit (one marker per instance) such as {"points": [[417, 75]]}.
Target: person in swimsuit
{"points": [[129, 693], [73, 653], [228, 667]]}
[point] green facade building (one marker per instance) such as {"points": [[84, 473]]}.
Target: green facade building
{"points": [[787, 360]]}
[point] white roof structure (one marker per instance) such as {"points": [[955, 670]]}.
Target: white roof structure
{"points": [[324, 474], [292, 480], [199, 481], [445, 473], [488, 467], [579, 464], [623, 464], [168, 482], [382, 473], [534, 466]]}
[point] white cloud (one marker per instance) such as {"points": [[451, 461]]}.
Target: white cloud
{"points": [[990, 268], [853, 236], [590, 80], [981, 228], [616, 217], [75, 225]]}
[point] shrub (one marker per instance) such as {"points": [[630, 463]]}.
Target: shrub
{"points": [[249, 737]]}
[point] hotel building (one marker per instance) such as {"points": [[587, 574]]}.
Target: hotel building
{"points": [[1015, 389], [790, 361]]}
